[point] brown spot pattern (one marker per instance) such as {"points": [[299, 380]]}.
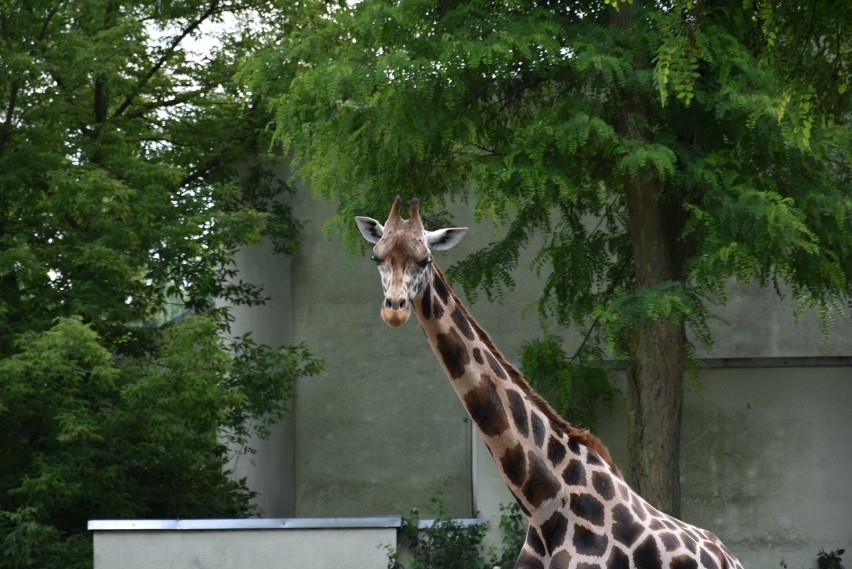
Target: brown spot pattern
{"points": [[534, 541], [707, 560], [541, 484], [426, 302], [453, 353], [514, 464], [690, 543], [574, 473], [437, 308], [553, 531], [587, 507], [670, 541], [715, 550], [555, 450], [442, 290], [618, 560], [485, 408], [625, 528], [495, 365], [603, 485], [462, 324], [683, 562], [639, 510], [519, 412], [587, 542], [647, 554], [537, 429], [561, 560]]}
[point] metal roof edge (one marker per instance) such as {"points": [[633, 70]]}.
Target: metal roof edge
{"points": [[246, 524]]}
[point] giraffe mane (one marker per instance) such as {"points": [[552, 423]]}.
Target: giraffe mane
{"points": [[583, 436]]}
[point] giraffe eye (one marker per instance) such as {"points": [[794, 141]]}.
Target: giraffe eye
{"points": [[375, 259], [424, 262]]}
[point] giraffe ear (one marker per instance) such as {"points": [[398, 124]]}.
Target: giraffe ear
{"points": [[371, 229], [444, 239]]}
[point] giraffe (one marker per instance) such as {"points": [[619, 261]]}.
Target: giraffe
{"points": [[581, 513]]}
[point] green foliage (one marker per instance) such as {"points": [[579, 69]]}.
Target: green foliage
{"points": [[825, 560], [831, 559], [128, 180], [528, 107], [575, 388], [636, 310], [449, 544], [93, 436], [513, 530]]}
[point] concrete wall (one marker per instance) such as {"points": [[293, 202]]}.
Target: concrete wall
{"points": [[766, 460], [766, 456], [381, 430], [757, 323], [235, 544], [770, 466], [271, 469]]}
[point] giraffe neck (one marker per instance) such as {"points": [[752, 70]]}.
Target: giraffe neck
{"points": [[581, 513], [526, 437]]}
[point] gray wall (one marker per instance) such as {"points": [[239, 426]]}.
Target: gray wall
{"points": [[766, 455], [756, 323], [381, 430], [271, 470], [766, 460]]}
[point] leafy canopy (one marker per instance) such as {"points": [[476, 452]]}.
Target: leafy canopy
{"points": [[128, 181], [542, 110]]}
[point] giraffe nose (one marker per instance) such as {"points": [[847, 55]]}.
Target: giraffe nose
{"points": [[395, 311], [392, 304]]}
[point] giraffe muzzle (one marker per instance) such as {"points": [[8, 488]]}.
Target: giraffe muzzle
{"points": [[395, 312]]}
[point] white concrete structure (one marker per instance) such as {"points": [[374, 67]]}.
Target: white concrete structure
{"points": [[242, 544]]}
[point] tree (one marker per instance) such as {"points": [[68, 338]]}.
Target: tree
{"points": [[659, 149], [128, 180]]}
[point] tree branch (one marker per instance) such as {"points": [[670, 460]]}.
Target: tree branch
{"points": [[143, 108], [6, 130], [167, 54], [10, 112], [202, 171]]}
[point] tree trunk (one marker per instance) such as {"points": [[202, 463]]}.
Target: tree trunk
{"points": [[655, 360], [654, 402], [656, 353]]}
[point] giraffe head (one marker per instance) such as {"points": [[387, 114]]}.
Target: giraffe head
{"points": [[402, 251]]}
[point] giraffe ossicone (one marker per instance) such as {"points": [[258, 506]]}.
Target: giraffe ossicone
{"points": [[582, 514]]}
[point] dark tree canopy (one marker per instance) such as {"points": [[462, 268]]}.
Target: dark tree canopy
{"points": [[128, 180]]}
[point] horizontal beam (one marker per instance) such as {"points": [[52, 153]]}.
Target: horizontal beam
{"points": [[716, 363], [245, 524], [265, 524]]}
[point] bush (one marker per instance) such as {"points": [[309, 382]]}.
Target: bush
{"points": [[449, 544]]}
